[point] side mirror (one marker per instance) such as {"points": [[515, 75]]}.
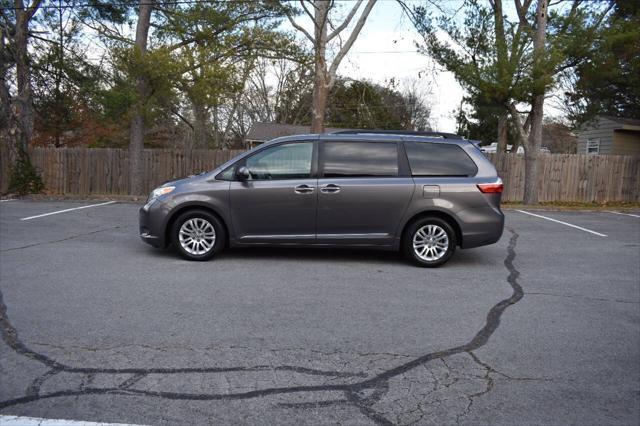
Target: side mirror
{"points": [[243, 173]]}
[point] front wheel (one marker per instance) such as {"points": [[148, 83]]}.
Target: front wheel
{"points": [[429, 242], [198, 235]]}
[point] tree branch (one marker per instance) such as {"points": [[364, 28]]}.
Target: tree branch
{"points": [[346, 22], [520, 128], [181, 117], [352, 38], [31, 10], [299, 27], [307, 11], [522, 10]]}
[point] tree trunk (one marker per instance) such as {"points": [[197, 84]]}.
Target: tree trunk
{"points": [[325, 78], [6, 118], [530, 176], [201, 135], [8, 154], [532, 148], [18, 118], [320, 82], [503, 127], [216, 126], [23, 102], [136, 138]]}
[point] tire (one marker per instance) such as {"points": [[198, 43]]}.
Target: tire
{"points": [[202, 236], [437, 239]]}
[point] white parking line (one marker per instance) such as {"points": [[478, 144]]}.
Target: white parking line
{"points": [[624, 214], [8, 199], [67, 210], [563, 223], [36, 421]]}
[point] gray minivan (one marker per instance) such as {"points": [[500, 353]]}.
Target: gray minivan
{"points": [[421, 192]]}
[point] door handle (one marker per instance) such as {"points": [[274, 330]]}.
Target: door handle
{"points": [[330, 189], [303, 189]]}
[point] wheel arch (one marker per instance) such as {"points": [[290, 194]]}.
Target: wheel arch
{"points": [[193, 206], [450, 219]]}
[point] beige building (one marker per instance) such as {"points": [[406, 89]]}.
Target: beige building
{"points": [[609, 135]]}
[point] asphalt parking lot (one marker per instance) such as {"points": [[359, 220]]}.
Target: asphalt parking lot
{"points": [[541, 328]]}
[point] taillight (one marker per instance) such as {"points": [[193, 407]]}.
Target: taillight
{"points": [[491, 188]]}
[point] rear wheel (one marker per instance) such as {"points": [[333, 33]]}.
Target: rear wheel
{"points": [[198, 235], [429, 242]]}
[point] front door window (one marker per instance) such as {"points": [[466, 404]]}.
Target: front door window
{"points": [[288, 161]]}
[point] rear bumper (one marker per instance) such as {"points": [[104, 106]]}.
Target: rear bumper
{"points": [[150, 221], [480, 226]]}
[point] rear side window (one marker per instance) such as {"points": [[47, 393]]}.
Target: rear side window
{"points": [[360, 159], [439, 159]]}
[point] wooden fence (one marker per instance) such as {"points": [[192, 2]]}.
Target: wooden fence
{"points": [[84, 171], [562, 177], [573, 177]]}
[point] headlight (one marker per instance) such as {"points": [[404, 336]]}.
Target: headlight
{"points": [[163, 190], [155, 194]]}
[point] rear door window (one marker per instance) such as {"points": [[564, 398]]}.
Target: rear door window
{"points": [[360, 159], [439, 159]]}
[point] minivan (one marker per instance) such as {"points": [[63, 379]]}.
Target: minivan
{"points": [[424, 193]]}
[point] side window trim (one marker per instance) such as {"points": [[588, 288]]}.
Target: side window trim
{"points": [[403, 169]]}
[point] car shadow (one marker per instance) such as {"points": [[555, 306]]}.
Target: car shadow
{"points": [[311, 254], [323, 255]]}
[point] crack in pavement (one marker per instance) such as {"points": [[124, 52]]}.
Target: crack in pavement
{"points": [[34, 387], [360, 394], [489, 387], [135, 378]]}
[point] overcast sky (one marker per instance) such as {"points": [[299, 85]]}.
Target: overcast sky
{"points": [[386, 49]]}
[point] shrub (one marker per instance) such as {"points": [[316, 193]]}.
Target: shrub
{"points": [[24, 177]]}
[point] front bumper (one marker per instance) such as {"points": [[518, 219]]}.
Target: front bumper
{"points": [[151, 223]]}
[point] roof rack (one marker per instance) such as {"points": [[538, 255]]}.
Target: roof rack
{"points": [[399, 132]]}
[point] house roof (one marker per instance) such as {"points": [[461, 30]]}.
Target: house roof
{"points": [[628, 121], [616, 124], [266, 131]]}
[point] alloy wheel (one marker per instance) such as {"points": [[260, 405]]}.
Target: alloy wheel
{"points": [[430, 242], [197, 236]]}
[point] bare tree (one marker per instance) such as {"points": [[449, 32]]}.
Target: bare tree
{"points": [[325, 75], [274, 89], [419, 110], [136, 138]]}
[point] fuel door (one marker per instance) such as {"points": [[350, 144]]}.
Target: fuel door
{"points": [[430, 191]]}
